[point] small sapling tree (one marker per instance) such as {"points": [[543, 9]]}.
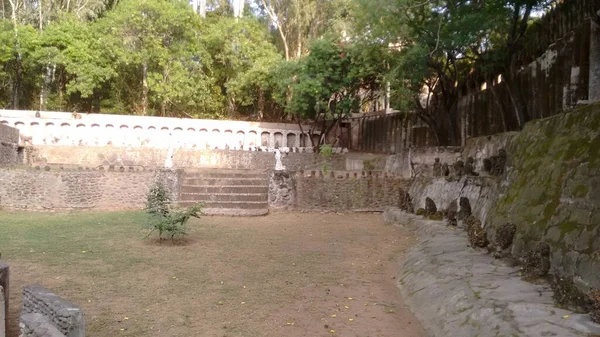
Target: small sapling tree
{"points": [[164, 219]]}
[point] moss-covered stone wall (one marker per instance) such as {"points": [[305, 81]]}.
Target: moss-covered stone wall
{"points": [[553, 192]]}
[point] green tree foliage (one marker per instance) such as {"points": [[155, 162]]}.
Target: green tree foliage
{"points": [[334, 80], [164, 219], [439, 43]]}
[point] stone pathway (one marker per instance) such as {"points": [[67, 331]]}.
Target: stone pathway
{"points": [[457, 291]]}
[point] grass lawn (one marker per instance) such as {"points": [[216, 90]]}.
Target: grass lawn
{"points": [[294, 274]]}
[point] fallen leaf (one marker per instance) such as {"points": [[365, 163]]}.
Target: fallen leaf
{"points": [[125, 318], [347, 307], [350, 298], [350, 319], [332, 331], [566, 316], [334, 315]]}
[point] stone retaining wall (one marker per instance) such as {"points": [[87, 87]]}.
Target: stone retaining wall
{"points": [[81, 189], [62, 314], [335, 190], [43, 155], [9, 140]]}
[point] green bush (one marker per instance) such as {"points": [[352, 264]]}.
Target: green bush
{"points": [[164, 219]]}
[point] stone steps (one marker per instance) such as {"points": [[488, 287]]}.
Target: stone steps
{"points": [[226, 192], [235, 197], [224, 189]]}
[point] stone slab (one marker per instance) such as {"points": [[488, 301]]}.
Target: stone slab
{"points": [[457, 291], [37, 325], [65, 316]]}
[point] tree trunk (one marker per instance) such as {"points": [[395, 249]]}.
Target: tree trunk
{"points": [[144, 88], [16, 83], [261, 104]]}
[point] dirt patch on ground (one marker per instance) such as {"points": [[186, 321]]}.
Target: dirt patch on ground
{"points": [[280, 275]]}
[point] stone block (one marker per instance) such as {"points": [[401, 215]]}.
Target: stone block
{"points": [[4, 284], [65, 316], [37, 325]]}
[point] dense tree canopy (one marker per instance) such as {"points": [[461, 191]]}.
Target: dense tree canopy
{"points": [[282, 59]]}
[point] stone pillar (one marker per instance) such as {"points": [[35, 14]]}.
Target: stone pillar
{"points": [[4, 295], [594, 77], [2, 314], [271, 140], [298, 140]]}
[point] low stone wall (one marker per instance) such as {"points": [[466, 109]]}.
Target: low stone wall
{"points": [[348, 190], [43, 155], [100, 189], [62, 314], [9, 140]]}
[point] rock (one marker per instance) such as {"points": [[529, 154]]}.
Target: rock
{"points": [[487, 165], [469, 168], [536, 263], [567, 295], [430, 208], [445, 170], [465, 208], [504, 235], [459, 168], [595, 312], [437, 168], [476, 233]]}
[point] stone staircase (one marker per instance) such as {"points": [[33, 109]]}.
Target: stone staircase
{"points": [[226, 192]]}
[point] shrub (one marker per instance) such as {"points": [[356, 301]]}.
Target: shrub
{"points": [[164, 219], [158, 200]]}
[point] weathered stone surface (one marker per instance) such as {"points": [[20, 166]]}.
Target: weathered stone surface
{"points": [[552, 190], [456, 291], [2, 314], [430, 207], [64, 315], [9, 141], [4, 296], [282, 190], [37, 325]]}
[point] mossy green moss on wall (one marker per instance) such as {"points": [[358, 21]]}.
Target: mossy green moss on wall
{"points": [[554, 191]]}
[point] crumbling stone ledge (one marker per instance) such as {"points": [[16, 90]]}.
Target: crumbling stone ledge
{"points": [[37, 325], [62, 314], [457, 291]]}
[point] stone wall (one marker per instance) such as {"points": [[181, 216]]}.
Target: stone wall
{"points": [[67, 129], [9, 140], [37, 325], [2, 314], [100, 189], [348, 190], [73, 156], [553, 192], [550, 189], [51, 310]]}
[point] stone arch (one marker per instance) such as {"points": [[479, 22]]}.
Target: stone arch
{"points": [[304, 140], [123, 127], [203, 138], [3, 122], [215, 139], [228, 141], [315, 139], [264, 138], [278, 139], [291, 140], [240, 139]]}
